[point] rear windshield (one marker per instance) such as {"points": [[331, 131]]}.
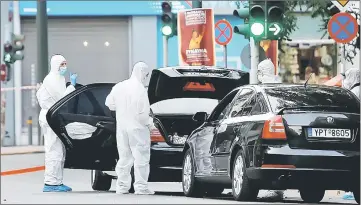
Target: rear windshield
{"points": [[281, 97]]}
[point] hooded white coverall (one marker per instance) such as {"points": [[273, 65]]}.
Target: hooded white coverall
{"points": [[351, 81], [129, 99], [266, 72], [52, 89]]}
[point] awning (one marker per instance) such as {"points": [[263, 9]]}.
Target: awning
{"points": [[335, 81]]}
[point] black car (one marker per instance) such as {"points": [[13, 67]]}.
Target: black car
{"points": [[98, 151], [276, 136]]}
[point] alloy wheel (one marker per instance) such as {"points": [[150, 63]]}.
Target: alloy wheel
{"points": [[238, 175], [187, 173]]}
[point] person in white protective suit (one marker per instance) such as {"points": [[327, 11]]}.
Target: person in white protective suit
{"points": [[53, 89], [129, 99], [266, 72], [351, 81]]}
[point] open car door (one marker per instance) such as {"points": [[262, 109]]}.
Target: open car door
{"points": [[86, 127]]}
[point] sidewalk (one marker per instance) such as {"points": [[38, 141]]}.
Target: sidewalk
{"points": [[21, 150]]}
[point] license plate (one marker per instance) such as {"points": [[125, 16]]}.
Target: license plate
{"points": [[329, 133]]}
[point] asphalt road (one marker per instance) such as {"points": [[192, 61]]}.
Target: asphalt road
{"points": [[27, 188]]}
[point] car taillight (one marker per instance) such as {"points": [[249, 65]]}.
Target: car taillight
{"points": [[274, 129], [156, 136]]}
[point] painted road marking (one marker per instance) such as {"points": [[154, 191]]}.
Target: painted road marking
{"points": [[23, 171]]}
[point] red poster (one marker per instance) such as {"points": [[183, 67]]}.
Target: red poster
{"points": [[196, 37]]}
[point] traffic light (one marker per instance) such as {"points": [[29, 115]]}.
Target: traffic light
{"points": [[275, 14], [242, 29], [11, 53], [257, 19], [169, 20], [8, 48]]}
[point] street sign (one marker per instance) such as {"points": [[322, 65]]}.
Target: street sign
{"points": [[274, 30], [223, 32], [342, 27], [344, 5]]}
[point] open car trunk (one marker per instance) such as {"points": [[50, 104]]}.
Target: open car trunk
{"points": [[177, 83]]}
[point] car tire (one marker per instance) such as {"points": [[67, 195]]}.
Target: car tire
{"points": [[100, 181], [191, 187], [310, 195], [214, 190], [243, 188]]}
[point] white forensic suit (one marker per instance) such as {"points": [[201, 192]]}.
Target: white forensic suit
{"points": [[266, 72], [129, 99], [351, 81], [52, 89]]}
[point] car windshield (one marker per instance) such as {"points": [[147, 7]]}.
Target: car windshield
{"points": [[280, 97]]}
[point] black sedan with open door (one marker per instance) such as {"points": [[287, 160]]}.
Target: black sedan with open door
{"points": [[87, 128], [279, 137]]}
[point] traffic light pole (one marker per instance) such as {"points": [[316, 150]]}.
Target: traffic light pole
{"points": [[42, 48], [17, 79], [165, 51], [254, 49]]}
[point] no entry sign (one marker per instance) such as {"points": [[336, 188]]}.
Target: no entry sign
{"points": [[223, 32], [342, 27]]}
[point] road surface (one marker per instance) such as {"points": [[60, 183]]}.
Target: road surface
{"points": [[27, 188]]}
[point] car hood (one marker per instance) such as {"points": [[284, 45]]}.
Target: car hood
{"points": [[176, 83]]}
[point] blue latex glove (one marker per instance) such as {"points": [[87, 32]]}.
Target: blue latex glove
{"points": [[73, 78]]}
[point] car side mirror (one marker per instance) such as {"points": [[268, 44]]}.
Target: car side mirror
{"points": [[200, 117]]}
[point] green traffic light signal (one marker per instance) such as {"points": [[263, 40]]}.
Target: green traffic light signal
{"points": [[275, 15], [257, 19], [169, 20]]}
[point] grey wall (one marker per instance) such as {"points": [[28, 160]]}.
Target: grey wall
{"points": [[144, 40]]}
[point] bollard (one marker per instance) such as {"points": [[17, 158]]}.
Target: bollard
{"points": [[30, 130]]}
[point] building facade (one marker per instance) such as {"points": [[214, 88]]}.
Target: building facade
{"points": [[103, 39]]}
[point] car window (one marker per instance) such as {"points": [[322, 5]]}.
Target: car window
{"points": [[221, 110], [259, 105], [280, 97], [240, 101], [89, 102]]}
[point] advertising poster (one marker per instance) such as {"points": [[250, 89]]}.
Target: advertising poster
{"points": [[196, 37]]}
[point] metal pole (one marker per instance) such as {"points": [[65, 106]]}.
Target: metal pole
{"points": [[42, 47], [343, 59], [17, 79], [196, 4], [254, 46], [225, 55], [30, 130], [165, 51]]}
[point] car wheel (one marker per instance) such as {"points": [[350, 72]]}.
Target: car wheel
{"points": [[213, 190], [243, 188], [100, 181], [191, 187], [312, 195]]}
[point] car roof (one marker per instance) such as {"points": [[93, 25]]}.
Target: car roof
{"points": [[262, 87]]}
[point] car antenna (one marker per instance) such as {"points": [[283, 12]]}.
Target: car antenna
{"points": [[306, 83]]}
